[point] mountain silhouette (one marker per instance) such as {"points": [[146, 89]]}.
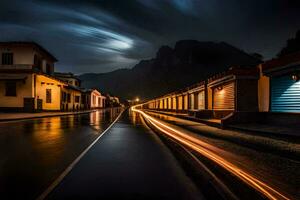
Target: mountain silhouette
{"points": [[189, 62]]}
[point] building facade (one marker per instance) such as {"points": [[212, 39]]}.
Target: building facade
{"points": [[235, 90], [26, 78], [28, 82], [92, 99], [72, 95], [282, 85], [69, 77], [226, 94]]}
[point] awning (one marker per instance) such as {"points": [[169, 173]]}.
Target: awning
{"points": [[13, 76]]}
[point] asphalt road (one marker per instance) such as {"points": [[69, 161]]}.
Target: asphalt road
{"points": [[34, 152], [127, 162]]}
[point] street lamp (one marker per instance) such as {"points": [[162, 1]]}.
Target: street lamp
{"points": [[137, 99]]}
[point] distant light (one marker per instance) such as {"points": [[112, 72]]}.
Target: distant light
{"points": [[137, 99], [220, 88]]}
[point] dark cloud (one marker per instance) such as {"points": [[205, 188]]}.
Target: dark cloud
{"points": [[100, 36]]}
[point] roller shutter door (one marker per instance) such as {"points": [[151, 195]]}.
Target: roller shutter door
{"points": [[192, 102], [169, 103], [201, 100], [285, 94], [174, 103], [224, 99], [165, 103], [186, 99], [180, 102]]}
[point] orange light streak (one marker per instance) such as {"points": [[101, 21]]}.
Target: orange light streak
{"points": [[203, 148]]}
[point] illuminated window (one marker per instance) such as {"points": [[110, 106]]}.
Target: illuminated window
{"points": [[48, 96], [94, 99]]}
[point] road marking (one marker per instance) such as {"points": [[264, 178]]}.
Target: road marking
{"points": [[72, 165]]}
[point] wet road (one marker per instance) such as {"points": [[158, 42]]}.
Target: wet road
{"points": [[127, 162], [277, 171], [34, 152]]}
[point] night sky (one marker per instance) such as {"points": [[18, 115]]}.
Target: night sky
{"points": [[104, 35]]}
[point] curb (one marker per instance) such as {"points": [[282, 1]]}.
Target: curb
{"points": [[263, 132], [37, 117], [208, 123]]}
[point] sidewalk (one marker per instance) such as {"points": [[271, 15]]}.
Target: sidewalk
{"points": [[21, 116], [276, 130], [284, 145], [210, 122]]}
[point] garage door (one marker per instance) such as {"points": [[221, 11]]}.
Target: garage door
{"points": [[201, 100], [223, 98], [285, 95], [174, 103], [191, 99], [186, 102], [180, 102]]}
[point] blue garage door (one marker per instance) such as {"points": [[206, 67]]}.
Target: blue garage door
{"points": [[285, 94]]}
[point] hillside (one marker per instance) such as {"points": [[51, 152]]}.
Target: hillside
{"points": [[187, 63]]}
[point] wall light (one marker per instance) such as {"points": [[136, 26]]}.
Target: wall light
{"points": [[220, 88], [295, 77]]}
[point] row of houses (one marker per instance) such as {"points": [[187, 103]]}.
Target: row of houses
{"points": [[268, 92], [29, 83]]}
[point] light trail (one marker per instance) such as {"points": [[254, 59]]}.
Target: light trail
{"points": [[202, 148]]}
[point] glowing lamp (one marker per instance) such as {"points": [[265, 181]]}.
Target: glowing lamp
{"points": [[295, 77], [220, 88]]}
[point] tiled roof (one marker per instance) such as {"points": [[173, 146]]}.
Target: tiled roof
{"points": [[251, 71]]}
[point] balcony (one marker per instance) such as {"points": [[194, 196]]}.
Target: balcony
{"points": [[22, 67]]}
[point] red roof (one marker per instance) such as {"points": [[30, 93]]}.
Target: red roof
{"points": [[281, 61], [251, 71]]}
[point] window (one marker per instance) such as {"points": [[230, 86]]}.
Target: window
{"points": [[10, 88], [99, 101], [83, 99], [7, 58], [64, 97], [94, 99], [69, 98], [48, 95], [48, 69], [77, 98], [37, 63]]}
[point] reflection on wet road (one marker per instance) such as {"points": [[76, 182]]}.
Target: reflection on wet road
{"points": [[128, 162], [34, 152]]}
